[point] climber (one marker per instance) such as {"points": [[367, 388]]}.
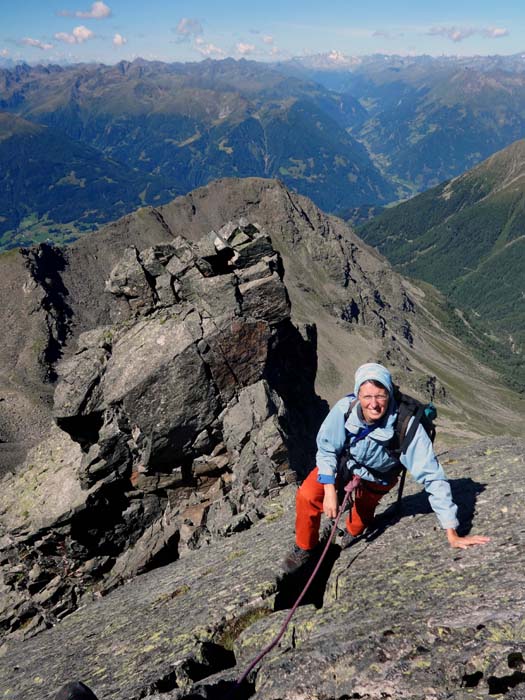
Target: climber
{"points": [[359, 445]]}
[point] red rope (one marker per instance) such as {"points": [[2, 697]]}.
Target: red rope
{"points": [[351, 486]]}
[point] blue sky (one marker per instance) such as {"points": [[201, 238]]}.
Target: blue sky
{"points": [[180, 30]]}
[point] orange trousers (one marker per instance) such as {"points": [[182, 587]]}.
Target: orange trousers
{"points": [[309, 507]]}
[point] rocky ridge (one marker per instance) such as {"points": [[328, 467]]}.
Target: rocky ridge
{"points": [[184, 390]]}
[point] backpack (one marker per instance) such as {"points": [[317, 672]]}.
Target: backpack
{"points": [[408, 406]]}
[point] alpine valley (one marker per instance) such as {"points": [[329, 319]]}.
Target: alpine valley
{"points": [[188, 124], [346, 132], [427, 119]]}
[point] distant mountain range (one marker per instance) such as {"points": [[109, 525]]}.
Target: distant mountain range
{"points": [[352, 134], [192, 123], [467, 237], [428, 119]]}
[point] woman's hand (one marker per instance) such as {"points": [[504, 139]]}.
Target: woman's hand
{"points": [[330, 501], [463, 542]]}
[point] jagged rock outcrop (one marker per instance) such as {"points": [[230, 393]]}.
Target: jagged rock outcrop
{"points": [[398, 615], [61, 296], [179, 411]]}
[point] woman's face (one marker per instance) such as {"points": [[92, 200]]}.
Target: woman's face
{"points": [[373, 400]]}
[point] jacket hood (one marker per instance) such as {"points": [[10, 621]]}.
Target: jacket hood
{"points": [[373, 371]]}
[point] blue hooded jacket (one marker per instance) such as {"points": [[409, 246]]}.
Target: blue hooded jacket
{"points": [[371, 451]]}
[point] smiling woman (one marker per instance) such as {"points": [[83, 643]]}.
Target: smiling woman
{"points": [[357, 438]]}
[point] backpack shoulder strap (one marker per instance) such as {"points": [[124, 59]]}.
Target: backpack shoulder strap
{"points": [[410, 433], [408, 408], [353, 401]]}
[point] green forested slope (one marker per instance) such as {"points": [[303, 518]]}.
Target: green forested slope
{"points": [[467, 238], [52, 186]]}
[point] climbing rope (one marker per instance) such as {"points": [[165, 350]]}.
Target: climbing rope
{"points": [[349, 488]]}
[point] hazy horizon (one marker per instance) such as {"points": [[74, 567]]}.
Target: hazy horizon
{"points": [[60, 31]]}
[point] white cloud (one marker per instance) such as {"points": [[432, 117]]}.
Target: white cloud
{"points": [[36, 43], [99, 10], [209, 50], [119, 40], [387, 35], [495, 32], [453, 33], [82, 34], [78, 35], [267, 39], [458, 34], [244, 49], [4, 53], [187, 28]]}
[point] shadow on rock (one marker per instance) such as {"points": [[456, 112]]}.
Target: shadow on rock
{"points": [[222, 690], [292, 584], [464, 493], [45, 264], [75, 691], [291, 370]]}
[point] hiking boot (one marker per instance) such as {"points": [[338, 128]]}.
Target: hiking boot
{"points": [[345, 539], [296, 559]]}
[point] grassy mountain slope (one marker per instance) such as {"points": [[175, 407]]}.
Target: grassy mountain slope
{"points": [[197, 122], [52, 186], [466, 237]]}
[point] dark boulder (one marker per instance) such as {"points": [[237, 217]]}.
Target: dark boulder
{"points": [[75, 691]]}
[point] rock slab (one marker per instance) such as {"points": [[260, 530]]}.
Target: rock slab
{"points": [[400, 614]]}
